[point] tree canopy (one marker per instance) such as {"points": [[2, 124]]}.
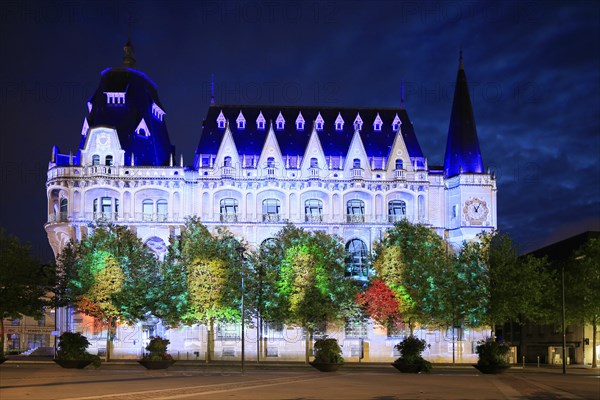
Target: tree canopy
{"points": [[24, 282]]}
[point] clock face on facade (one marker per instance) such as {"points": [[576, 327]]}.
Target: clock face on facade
{"points": [[476, 211]]}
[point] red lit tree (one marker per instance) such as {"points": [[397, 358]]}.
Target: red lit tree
{"points": [[379, 302]]}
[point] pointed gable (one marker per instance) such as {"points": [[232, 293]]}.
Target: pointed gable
{"points": [[314, 157], [462, 148], [356, 157]]}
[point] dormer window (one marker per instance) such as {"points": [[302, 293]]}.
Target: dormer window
{"points": [[339, 122], [221, 120], [300, 122], [142, 129], [396, 123], [280, 122], [108, 161], [227, 161], [241, 121], [157, 112], [377, 123], [260, 121], [358, 122], [319, 122], [115, 98], [95, 159]]}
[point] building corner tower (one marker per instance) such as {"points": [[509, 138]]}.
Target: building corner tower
{"points": [[470, 190]]}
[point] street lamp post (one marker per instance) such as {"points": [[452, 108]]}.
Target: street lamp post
{"points": [[241, 249]]}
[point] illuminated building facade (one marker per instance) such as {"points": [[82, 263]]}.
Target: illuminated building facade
{"points": [[349, 171]]}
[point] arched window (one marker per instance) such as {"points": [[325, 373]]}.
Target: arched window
{"points": [[313, 210], [229, 210], [355, 210], [162, 209], [314, 162], [356, 163], [108, 161], [399, 164], [64, 203], [103, 208], [270, 210], [227, 162], [95, 159], [356, 265], [396, 210], [147, 210]]}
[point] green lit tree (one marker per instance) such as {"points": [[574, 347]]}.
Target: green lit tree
{"points": [[582, 278], [512, 288], [298, 278], [109, 276], [411, 260], [24, 283], [210, 268]]}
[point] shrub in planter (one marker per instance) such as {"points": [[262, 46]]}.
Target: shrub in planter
{"points": [[328, 355], [410, 359], [157, 356], [72, 351], [492, 356]]}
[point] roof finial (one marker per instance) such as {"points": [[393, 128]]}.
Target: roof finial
{"points": [[402, 94], [128, 58], [212, 89], [460, 60]]}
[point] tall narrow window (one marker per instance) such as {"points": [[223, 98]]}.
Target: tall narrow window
{"points": [[108, 160], [95, 159], [270, 208], [314, 163], [147, 210], [162, 210], [63, 209], [399, 163], [356, 265], [229, 210], [227, 162], [396, 210], [313, 210], [356, 163], [355, 210]]}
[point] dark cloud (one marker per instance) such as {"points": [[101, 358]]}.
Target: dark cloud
{"points": [[533, 69]]}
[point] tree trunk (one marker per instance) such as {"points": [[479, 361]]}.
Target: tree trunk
{"points": [[594, 355], [210, 339], [309, 336], [109, 329], [411, 326], [258, 338], [2, 335]]}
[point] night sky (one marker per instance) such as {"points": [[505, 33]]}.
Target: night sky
{"points": [[533, 69]]}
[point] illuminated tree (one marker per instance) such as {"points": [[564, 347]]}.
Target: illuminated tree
{"points": [[109, 276], [210, 269], [411, 260], [379, 302], [23, 283], [582, 278], [303, 280], [512, 288]]}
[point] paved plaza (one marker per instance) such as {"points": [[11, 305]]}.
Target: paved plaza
{"points": [[128, 380]]}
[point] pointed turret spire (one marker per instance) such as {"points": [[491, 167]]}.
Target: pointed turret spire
{"points": [[462, 148], [128, 57]]}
